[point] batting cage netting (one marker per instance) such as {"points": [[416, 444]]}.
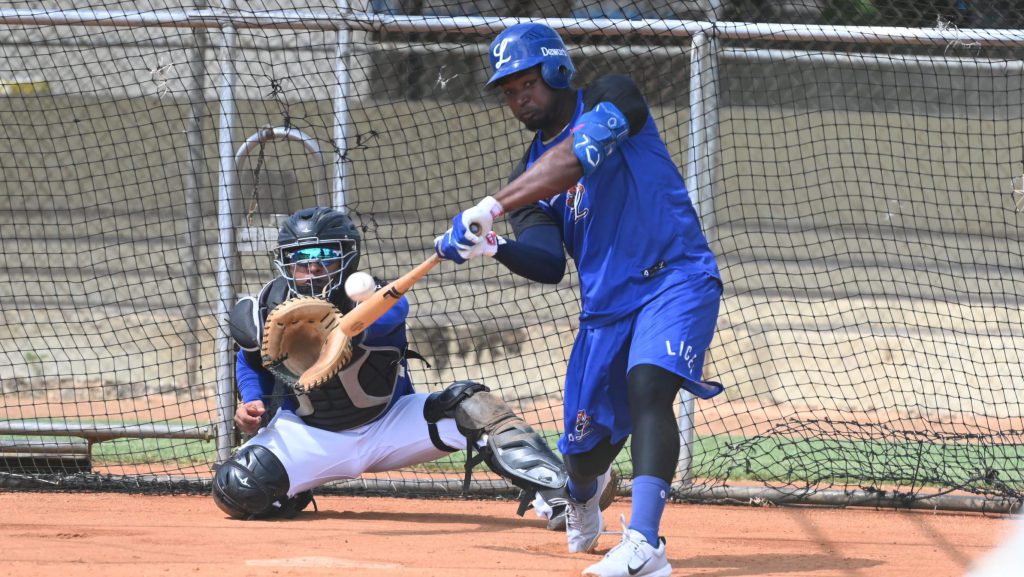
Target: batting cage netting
{"points": [[856, 165]]}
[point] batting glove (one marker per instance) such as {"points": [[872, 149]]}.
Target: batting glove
{"points": [[457, 243], [482, 215], [453, 246], [489, 247]]}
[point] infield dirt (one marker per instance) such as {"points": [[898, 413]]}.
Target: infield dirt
{"points": [[118, 535]]}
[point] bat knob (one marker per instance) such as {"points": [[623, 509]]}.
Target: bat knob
{"points": [[474, 228]]}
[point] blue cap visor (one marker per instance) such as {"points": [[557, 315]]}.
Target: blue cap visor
{"points": [[514, 67]]}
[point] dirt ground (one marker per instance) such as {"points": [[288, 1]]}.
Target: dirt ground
{"points": [[115, 535]]}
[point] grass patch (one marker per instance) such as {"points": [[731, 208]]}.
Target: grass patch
{"points": [[132, 451], [772, 459], [858, 462], [148, 451], [828, 462]]}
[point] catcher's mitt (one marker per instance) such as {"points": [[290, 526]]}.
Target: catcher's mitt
{"points": [[303, 344]]}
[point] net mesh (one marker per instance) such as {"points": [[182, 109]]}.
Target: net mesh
{"points": [[862, 198]]}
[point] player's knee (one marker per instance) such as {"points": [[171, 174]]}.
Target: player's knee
{"points": [[652, 387], [443, 404], [475, 409], [584, 467], [512, 449], [248, 485]]}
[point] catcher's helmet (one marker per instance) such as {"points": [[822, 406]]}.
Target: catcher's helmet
{"points": [[523, 46], [317, 236]]}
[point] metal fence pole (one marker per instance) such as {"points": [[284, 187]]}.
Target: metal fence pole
{"points": [[194, 184], [228, 251], [341, 114], [701, 152]]}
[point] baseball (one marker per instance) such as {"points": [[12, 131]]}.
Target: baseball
{"points": [[360, 286]]}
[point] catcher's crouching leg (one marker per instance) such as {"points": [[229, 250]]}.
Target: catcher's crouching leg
{"points": [[512, 448], [253, 484]]}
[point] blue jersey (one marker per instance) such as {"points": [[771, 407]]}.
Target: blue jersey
{"points": [[629, 226]]}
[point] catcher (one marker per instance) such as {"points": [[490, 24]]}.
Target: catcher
{"points": [[365, 417]]}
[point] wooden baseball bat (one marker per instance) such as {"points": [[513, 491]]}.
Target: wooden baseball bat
{"points": [[367, 312]]}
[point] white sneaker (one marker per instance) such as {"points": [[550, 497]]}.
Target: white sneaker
{"points": [[555, 513], [632, 557], [583, 522]]}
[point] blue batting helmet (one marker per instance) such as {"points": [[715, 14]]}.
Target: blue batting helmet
{"points": [[523, 46]]}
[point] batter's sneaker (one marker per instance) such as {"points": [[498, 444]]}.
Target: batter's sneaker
{"points": [[556, 514], [583, 523], [632, 557]]}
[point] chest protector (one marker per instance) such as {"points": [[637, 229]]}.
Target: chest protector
{"points": [[358, 394]]}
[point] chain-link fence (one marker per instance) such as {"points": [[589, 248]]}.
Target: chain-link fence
{"points": [[856, 183]]}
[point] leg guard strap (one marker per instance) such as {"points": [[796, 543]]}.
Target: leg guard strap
{"points": [[511, 447], [499, 437], [435, 438]]}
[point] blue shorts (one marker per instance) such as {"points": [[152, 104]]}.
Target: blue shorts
{"points": [[671, 331]]}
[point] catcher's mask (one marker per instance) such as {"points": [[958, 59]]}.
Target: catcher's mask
{"points": [[315, 269], [317, 249]]}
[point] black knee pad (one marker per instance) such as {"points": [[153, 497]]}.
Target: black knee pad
{"points": [[442, 404], [251, 484]]}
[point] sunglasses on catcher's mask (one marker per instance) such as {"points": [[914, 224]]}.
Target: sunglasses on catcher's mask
{"points": [[318, 253]]}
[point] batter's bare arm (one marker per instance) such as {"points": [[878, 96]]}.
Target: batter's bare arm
{"points": [[554, 172]]}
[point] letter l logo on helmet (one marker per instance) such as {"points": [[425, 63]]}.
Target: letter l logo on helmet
{"points": [[499, 53]]}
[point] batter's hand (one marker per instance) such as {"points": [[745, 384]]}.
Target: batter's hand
{"points": [[489, 247], [458, 242], [454, 244], [248, 416]]}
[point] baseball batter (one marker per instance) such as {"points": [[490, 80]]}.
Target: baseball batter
{"points": [[599, 181], [367, 418]]}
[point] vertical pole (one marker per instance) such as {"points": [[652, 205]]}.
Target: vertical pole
{"points": [[713, 10], [194, 184], [228, 254], [700, 159], [702, 153], [341, 114]]}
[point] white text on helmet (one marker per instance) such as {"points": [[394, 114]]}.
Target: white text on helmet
{"points": [[552, 51], [499, 53]]}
